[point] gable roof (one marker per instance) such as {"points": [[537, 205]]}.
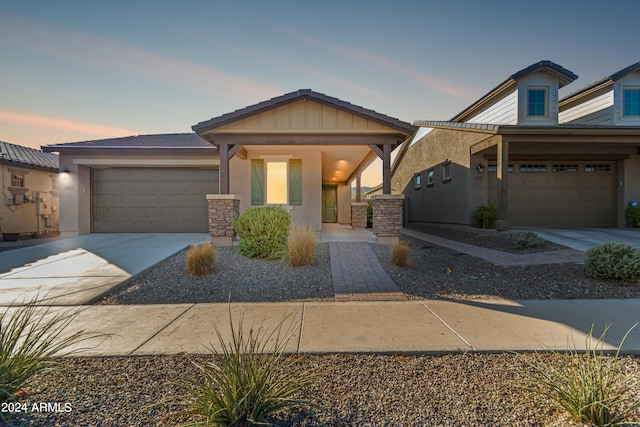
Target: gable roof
{"points": [[165, 141], [296, 96], [564, 76], [27, 157], [601, 83]]}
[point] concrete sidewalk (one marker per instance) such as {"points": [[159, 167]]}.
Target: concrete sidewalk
{"points": [[427, 326]]}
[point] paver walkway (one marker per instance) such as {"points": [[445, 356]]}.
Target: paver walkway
{"points": [[358, 276], [503, 258]]}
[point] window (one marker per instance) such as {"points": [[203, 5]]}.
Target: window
{"points": [[597, 168], [536, 102], [276, 182], [565, 168], [417, 180], [446, 172], [533, 168], [430, 178], [17, 180], [632, 102], [494, 168]]}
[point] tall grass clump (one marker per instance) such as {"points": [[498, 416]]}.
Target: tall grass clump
{"points": [[400, 253], [614, 261], [252, 379], [527, 240], [201, 259], [301, 245], [30, 337], [589, 386], [263, 231]]}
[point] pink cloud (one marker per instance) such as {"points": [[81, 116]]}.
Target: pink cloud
{"points": [[63, 124]]}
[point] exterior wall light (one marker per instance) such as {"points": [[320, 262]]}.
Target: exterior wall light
{"points": [[480, 168]]}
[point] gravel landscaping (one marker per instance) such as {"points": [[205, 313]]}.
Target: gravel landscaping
{"points": [[468, 389]]}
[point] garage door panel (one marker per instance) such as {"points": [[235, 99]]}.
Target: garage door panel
{"points": [[151, 199]]}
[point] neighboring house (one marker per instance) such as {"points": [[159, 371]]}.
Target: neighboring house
{"points": [[301, 150], [542, 161], [29, 190]]}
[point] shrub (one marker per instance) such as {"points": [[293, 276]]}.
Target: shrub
{"points": [[587, 386], [400, 253], [614, 261], [632, 215], [263, 231], [201, 259], [486, 216], [29, 339], [369, 214], [251, 380], [302, 245], [527, 240]]}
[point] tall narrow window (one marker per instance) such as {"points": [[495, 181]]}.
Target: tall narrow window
{"points": [[277, 183], [536, 103], [632, 102], [446, 172]]}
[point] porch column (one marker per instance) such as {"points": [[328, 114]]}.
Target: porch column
{"points": [[387, 217], [224, 168], [358, 188], [222, 207], [502, 223], [386, 169]]}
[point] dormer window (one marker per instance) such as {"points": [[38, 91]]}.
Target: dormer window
{"points": [[537, 102], [631, 102]]}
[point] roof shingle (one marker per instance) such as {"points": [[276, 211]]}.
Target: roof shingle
{"points": [[28, 157]]}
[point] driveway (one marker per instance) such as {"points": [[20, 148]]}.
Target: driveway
{"points": [[586, 238], [77, 270]]}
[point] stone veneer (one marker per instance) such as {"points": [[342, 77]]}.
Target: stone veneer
{"points": [[222, 207], [387, 217], [359, 215]]}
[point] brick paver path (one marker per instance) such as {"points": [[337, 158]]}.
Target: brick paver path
{"points": [[358, 276]]}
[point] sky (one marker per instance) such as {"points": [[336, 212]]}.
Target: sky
{"points": [[83, 70]]}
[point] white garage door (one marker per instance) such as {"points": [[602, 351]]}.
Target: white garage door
{"points": [[567, 193], [151, 200]]}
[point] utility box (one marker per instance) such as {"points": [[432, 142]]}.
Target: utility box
{"points": [[18, 199], [43, 204]]}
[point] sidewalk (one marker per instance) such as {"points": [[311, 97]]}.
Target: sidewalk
{"points": [[427, 326]]}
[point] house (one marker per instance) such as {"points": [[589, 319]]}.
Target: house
{"points": [[29, 190], [541, 160], [301, 150]]}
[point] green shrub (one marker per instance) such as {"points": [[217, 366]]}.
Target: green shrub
{"points": [[632, 215], [588, 386], [251, 379], [263, 231], [301, 245], [614, 261], [486, 216], [369, 214], [400, 253], [527, 240], [200, 259], [30, 337]]}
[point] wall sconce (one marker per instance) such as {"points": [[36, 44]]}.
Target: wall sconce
{"points": [[65, 170], [480, 168]]}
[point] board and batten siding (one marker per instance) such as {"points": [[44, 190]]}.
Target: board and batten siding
{"points": [[503, 112], [595, 111]]}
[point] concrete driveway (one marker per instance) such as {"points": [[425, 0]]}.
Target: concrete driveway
{"points": [[587, 238], [77, 270]]}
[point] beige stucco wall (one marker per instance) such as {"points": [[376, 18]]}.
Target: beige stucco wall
{"points": [[75, 187], [24, 218], [310, 212]]}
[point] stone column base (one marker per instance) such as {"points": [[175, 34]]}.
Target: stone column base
{"points": [[359, 215], [387, 217], [222, 207]]}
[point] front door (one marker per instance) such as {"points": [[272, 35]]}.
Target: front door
{"points": [[329, 203]]}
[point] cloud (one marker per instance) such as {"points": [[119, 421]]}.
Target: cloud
{"points": [[427, 81], [63, 124]]}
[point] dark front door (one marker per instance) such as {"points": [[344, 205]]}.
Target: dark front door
{"points": [[329, 203]]}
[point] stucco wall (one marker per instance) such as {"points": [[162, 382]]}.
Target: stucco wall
{"points": [[450, 201], [310, 212], [24, 218]]}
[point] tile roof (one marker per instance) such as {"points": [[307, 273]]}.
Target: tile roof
{"points": [[301, 94], [565, 75], [484, 127], [27, 157], [603, 81], [170, 140]]}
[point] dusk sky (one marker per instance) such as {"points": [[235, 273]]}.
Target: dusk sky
{"points": [[80, 70]]}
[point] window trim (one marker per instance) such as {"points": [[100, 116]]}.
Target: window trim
{"points": [[624, 103], [417, 180], [430, 180], [545, 105], [446, 172]]}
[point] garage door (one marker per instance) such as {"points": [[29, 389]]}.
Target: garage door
{"points": [[567, 194], [151, 200]]}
